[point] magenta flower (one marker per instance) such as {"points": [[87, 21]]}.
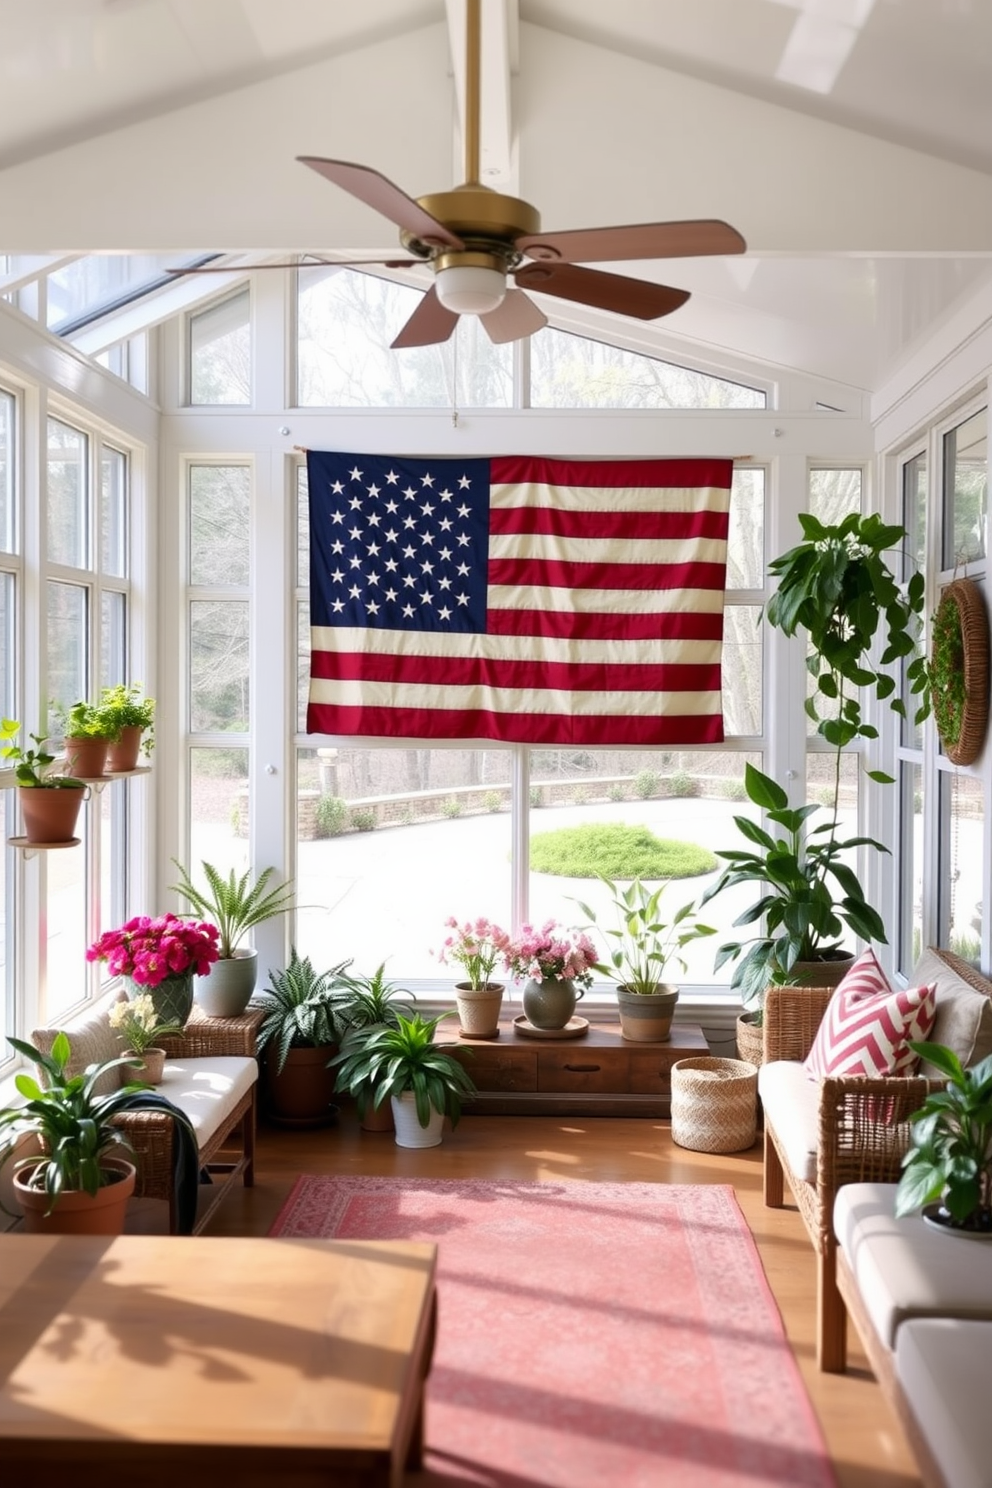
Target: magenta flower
{"points": [[149, 950]]}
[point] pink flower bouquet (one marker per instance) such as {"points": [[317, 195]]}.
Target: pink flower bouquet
{"points": [[149, 950], [551, 953], [476, 945]]}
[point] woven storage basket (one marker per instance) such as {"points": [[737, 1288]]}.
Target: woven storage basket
{"points": [[967, 597], [714, 1106], [750, 1041]]}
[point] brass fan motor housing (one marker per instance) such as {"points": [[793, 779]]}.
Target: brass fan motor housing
{"points": [[485, 220]]}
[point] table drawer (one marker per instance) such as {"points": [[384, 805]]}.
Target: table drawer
{"points": [[651, 1071], [501, 1069], [585, 1070]]}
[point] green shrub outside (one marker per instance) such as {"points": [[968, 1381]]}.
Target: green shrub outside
{"points": [[618, 851], [363, 821], [492, 800], [681, 784], [331, 816], [646, 784], [451, 808]]}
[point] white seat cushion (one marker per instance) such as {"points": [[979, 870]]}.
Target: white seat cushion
{"points": [[903, 1268], [942, 1367], [208, 1090], [791, 1102]]}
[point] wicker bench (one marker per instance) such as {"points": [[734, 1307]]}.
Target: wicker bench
{"points": [[822, 1135]]}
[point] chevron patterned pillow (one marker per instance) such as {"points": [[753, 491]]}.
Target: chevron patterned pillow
{"points": [[868, 1027]]}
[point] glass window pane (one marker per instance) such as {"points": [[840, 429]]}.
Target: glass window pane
{"points": [[8, 929], [746, 540], [99, 280], [220, 352], [218, 666], [345, 324], [8, 620], [570, 371], [8, 468], [68, 515], [688, 797], [114, 512], [218, 810], [914, 519], [910, 878], [743, 655], [219, 524], [965, 491], [834, 494], [960, 896], [66, 940], [302, 528], [368, 821], [68, 671], [113, 639]]}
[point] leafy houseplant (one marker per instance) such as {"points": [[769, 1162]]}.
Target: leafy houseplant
{"points": [[88, 735], [75, 1128], [644, 945], [369, 1001], [949, 1164], [297, 1035], [235, 904], [132, 717], [837, 587], [50, 803], [405, 1065], [140, 1027]]}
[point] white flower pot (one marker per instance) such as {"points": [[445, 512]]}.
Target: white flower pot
{"points": [[409, 1132]]}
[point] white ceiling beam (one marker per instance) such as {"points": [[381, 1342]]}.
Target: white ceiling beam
{"points": [[500, 33], [152, 309]]}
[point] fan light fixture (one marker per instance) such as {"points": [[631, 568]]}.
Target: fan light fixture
{"points": [[467, 290]]}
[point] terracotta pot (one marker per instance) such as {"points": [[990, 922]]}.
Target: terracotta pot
{"points": [[148, 1067], [478, 1009], [76, 1212], [51, 812], [123, 753], [646, 1017], [378, 1118], [302, 1092], [86, 758]]}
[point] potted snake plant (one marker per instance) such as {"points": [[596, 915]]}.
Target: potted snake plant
{"points": [[297, 1037]]}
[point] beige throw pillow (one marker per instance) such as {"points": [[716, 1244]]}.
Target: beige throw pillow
{"points": [[91, 1040], [964, 1015]]}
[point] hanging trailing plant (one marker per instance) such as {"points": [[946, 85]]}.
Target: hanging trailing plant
{"points": [[958, 670]]}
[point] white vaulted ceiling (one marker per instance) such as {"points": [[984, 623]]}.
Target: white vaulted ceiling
{"points": [[850, 141]]}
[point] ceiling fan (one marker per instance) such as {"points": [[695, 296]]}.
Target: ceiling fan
{"points": [[476, 239]]}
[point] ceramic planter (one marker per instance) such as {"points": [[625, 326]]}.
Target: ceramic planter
{"points": [[172, 999], [77, 1212], [478, 1009], [550, 1003], [409, 1132], [646, 1017], [86, 758], [148, 1067], [226, 992], [50, 812]]}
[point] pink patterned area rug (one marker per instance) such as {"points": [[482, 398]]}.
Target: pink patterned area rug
{"points": [[591, 1335]]}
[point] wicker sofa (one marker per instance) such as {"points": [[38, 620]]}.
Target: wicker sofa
{"points": [[822, 1134], [211, 1074]]}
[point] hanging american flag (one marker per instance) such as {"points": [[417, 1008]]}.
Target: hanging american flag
{"points": [[526, 600]]}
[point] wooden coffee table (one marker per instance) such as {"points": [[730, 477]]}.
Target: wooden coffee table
{"points": [[202, 1361]]}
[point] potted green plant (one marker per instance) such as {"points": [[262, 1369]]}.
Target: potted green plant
{"points": [[132, 717], [644, 945], [50, 802], [235, 904], [79, 1183], [403, 1064], [298, 1035], [476, 946], [948, 1169], [837, 588], [363, 1004], [139, 1026], [88, 736]]}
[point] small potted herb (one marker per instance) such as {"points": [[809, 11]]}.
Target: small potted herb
{"points": [[50, 803], [131, 715], [88, 736]]}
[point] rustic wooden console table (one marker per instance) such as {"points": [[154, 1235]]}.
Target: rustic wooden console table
{"points": [[599, 1074]]}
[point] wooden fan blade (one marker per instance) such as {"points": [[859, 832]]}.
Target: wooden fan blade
{"points": [[383, 196], [516, 318], [642, 240], [616, 292], [429, 324]]}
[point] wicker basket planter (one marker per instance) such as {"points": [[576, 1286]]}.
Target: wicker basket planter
{"points": [[714, 1104], [961, 647]]}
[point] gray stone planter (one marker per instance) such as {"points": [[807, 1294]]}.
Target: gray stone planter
{"points": [[646, 1017], [226, 991]]}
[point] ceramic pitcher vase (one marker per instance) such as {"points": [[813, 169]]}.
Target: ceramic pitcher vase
{"points": [[550, 1003]]}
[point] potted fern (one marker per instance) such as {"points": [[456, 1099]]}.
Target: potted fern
{"points": [[296, 1039], [235, 904], [131, 717]]}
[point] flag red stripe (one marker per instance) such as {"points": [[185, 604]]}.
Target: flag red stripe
{"points": [[470, 671], [668, 625], [552, 521], [662, 475], [546, 572], [513, 728]]}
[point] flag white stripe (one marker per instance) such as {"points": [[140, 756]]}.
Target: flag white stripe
{"points": [[610, 498], [565, 703], [426, 643], [606, 601], [607, 550]]}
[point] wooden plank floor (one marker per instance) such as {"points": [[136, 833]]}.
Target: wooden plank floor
{"points": [[864, 1438]]}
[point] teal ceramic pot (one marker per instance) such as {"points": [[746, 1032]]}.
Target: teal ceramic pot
{"points": [[172, 999], [550, 1003]]}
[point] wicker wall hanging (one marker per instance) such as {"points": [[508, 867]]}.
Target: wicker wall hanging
{"points": [[959, 671]]}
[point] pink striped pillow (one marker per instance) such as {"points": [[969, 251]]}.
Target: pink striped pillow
{"points": [[867, 1027]]}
